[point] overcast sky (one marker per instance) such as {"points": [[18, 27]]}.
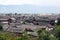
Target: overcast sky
{"points": [[32, 2], [45, 3]]}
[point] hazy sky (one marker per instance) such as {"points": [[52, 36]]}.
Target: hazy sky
{"points": [[32, 2], [49, 4]]}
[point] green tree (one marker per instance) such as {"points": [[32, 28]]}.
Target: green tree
{"points": [[57, 32], [52, 37], [45, 35], [24, 37], [58, 23]]}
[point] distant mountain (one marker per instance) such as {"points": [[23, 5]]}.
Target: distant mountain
{"points": [[28, 9]]}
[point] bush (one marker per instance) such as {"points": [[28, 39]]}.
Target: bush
{"points": [[1, 38], [1, 28]]}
